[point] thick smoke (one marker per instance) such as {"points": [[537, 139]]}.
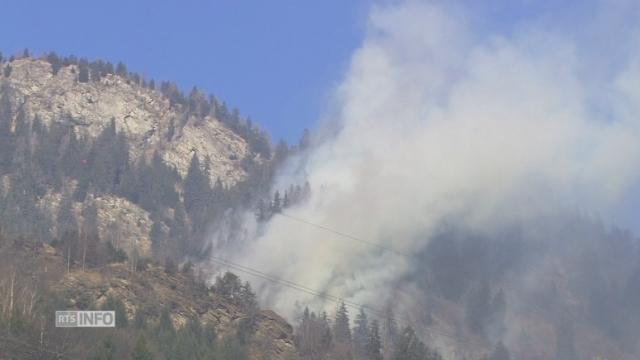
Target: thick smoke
{"points": [[439, 119]]}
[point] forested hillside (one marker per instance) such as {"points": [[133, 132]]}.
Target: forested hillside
{"points": [[116, 192], [70, 180], [106, 179]]}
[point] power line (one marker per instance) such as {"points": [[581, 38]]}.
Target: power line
{"points": [[344, 235], [295, 286], [322, 294]]}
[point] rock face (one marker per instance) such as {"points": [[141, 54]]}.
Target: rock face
{"points": [[152, 290], [144, 115], [121, 222], [36, 270]]}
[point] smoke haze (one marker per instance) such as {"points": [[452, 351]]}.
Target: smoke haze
{"points": [[440, 120]]}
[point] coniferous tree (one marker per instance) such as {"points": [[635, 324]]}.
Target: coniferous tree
{"points": [[342, 348], [7, 70], [158, 238], [121, 69], [305, 140], [90, 235], [179, 232], [141, 350], [373, 348], [140, 319], [7, 139], [116, 305], [83, 71], [197, 199], [66, 218], [276, 205], [409, 347], [172, 129], [106, 350], [55, 61], [360, 335], [390, 333]]}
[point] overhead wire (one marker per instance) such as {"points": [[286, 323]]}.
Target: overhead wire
{"points": [[322, 294], [343, 234]]}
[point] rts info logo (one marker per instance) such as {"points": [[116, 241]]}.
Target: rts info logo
{"points": [[85, 318]]}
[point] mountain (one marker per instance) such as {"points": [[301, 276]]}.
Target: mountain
{"points": [[111, 188], [36, 282], [142, 157], [148, 119], [108, 188]]}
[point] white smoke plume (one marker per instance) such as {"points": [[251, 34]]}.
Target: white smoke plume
{"points": [[438, 119]]}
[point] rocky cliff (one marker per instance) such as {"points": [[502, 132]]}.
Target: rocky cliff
{"points": [[143, 114]]}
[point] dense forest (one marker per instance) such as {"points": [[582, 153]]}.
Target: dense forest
{"points": [[38, 158], [598, 268]]}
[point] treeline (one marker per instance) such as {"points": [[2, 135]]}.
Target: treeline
{"points": [[195, 104], [319, 337], [291, 196]]}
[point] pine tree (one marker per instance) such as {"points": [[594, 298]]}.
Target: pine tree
{"points": [[197, 200], [276, 206], [106, 350], [409, 347], [341, 330], [373, 349], [158, 237], [116, 305], [390, 333], [7, 139], [66, 218], [121, 69], [281, 152], [171, 131], [196, 187], [55, 61], [83, 71], [261, 214], [361, 335], [305, 140], [90, 235], [140, 319], [141, 350]]}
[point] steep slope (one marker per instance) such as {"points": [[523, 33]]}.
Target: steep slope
{"points": [[144, 115], [153, 164], [33, 275]]}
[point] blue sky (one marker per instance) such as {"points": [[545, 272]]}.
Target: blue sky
{"points": [[277, 61]]}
